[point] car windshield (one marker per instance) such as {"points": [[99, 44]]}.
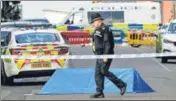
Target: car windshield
{"points": [[172, 28], [164, 27], [37, 37]]}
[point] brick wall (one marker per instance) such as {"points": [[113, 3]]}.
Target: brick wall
{"points": [[167, 11]]}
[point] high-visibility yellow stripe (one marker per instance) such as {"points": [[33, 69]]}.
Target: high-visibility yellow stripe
{"points": [[50, 46], [20, 63], [151, 27], [25, 53], [89, 28], [7, 53], [62, 28], [120, 25], [55, 52], [61, 62], [34, 60], [29, 47]]}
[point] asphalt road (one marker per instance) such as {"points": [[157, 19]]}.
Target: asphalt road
{"points": [[161, 77]]}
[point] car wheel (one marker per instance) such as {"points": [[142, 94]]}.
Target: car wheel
{"points": [[163, 60], [135, 46], [4, 79]]}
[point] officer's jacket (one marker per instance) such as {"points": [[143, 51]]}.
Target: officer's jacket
{"points": [[103, 40]]}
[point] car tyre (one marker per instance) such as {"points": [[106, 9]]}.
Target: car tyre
{"points": [[164, 60], [135, 46], [4, 79]]}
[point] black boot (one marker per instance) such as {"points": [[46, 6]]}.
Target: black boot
{"points": [[97, 95], [123, 89]]}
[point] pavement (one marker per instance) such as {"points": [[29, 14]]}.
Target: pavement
{"points": [[161, 77]]}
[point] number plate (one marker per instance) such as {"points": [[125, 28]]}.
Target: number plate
{"points": [[41, 65]]}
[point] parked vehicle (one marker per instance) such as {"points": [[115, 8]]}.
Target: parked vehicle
{"points": [[27, 43], [167, 41]]}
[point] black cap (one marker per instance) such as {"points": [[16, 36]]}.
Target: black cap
{"points": [[96, 16]]}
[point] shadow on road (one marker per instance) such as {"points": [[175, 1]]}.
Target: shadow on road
{"points": [[28, 83], [171, 62]]}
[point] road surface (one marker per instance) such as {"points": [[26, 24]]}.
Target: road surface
{"points": [[161, 77]]}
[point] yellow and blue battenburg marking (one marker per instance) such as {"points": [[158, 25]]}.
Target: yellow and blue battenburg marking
{"points": [[30, 50], [121, 29], [122, 26]]}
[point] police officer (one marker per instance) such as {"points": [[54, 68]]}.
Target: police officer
{"points": [[103, 43]]}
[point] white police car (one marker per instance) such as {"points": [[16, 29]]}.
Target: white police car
{"points": [[168, 41], [28, 43]]}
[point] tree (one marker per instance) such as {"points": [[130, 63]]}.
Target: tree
{"points": [[11, 10]]}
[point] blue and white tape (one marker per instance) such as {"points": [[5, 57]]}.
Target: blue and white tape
{"points": [[115, 56]]}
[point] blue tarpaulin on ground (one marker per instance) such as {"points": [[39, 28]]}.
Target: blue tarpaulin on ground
{"points": [[81, 81]]}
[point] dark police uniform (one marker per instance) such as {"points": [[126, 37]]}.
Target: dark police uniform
{"points": [[103, 42]]}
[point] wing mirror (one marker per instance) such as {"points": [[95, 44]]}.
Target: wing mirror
{"points": [[2, 42]]}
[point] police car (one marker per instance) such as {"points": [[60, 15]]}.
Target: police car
{"points": [[168, 41], [28, 43], [26, 24]]}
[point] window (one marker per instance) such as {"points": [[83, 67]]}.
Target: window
{"points": [[118, 16], [172, 27], [164, 27], [6, 37], [76, 18], [37, 37], [109, 16]]}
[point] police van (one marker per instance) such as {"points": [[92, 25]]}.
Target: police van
{"points": [[132, 14]]}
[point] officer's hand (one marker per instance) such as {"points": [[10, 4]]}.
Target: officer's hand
{"points": [[92, 46], [105, 60]]}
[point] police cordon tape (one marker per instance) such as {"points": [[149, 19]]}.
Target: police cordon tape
{"points": [[115, 56]]}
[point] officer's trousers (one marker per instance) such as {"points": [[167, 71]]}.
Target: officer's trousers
{"points": [[102, 71]]}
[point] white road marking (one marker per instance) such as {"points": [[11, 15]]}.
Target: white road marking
{"points": [[28, 94], [166, 68], [161, 65]]}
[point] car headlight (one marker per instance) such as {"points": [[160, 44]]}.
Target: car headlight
{"points": [[168, 41]]}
